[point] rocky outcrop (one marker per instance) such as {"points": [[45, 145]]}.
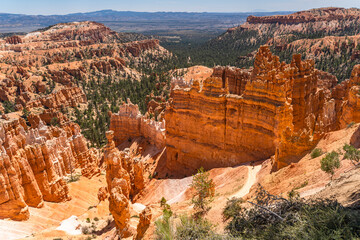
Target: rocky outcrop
{"points": [[13, 40], [135, 48], [238, 116], [107, 66], [35, 162], [314, 15], [87, 32], [66, 97], [144, 223], [350, 91], [47, 116], [125, 179], [129, 123]]}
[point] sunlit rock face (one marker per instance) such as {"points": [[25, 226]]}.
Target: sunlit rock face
{"points": [[125, 179], [129, 123], [239, 116], [34, 161]]}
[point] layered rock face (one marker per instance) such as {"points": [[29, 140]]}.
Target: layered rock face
{"points": [[129, 123], [125, 179], [349, 91], [67, 97], [34, 162], [314, 15], [238, 116]]}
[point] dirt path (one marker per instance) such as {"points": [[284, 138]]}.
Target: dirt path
{"points": [[251, 180]]}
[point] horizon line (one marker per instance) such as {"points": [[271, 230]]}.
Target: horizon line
{"points": [[102, 10]]}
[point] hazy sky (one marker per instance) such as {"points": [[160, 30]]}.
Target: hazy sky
{"points": [[72, 6]]}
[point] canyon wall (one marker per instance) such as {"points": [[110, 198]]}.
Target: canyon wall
{"points": [[125, 179], [129, 123], [314, 15], [238, 116], [34, 162]]}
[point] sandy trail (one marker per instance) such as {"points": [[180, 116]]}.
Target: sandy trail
{"points": [[251, 180]]}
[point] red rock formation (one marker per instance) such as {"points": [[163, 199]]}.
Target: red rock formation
{"points": [[125, 179], [239, 116], [135, 48], [87, 32], [118, 182], [350, 93], [314, 15], [66, 97], [46, 116], [13, 40], [103, 194], [144, 223], [129, 123], [35, 162], [107, 66]]}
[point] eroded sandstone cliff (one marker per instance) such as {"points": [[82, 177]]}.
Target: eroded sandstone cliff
{"points": [[34, 162], [130, 123], [239, 116], [125, 179]]}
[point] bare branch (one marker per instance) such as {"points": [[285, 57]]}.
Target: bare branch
{"points": [[282, 219]]}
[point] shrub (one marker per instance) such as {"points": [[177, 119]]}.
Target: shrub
{"points": [[204, 192], [162, 202], [85, 229], [317, 152], [189, 228], [330, 162], [233, 206], [9, 107], [88, 220], [54, 121], [273, 217], [26, 113], [74, 178], [351, 153], [96, 219], [164, 226], [350, 125]]}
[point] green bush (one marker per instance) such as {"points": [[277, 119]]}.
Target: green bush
{"points": [[330, 162], [9, 107], [189, 228], [54, 121], [233, 206], [74, 178], [317, 152], [351, 153], [204, 192], [350, 125], [164, 225], [274, 217]]}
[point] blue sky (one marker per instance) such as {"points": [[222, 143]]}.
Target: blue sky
{"points": [[71, 6]]}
